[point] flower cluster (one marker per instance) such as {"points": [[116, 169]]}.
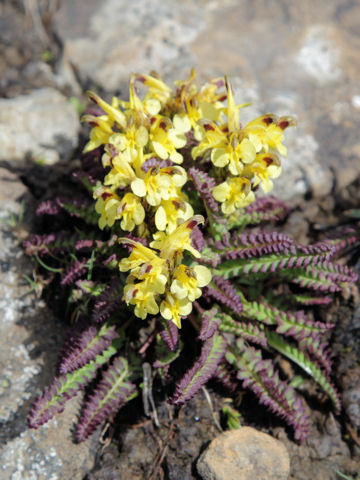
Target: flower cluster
{"points": [[148, 144], [159, 278]]}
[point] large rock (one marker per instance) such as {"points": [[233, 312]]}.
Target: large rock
{"points": [[43, 126], [244, 454], [116, 37], [278, 56], [30, 337]]}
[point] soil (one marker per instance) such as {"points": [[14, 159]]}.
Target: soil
{"points": [[131, 446]]}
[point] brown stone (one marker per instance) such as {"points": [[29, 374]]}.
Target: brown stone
{"points": [[244, 454]]}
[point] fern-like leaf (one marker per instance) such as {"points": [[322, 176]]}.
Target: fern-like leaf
{"points": [[264, 209], [80, 208], [49, 207], [295, 324], [165, 356], [170, 335], [210, 321], [324, 277], [306, 364], [108, 301], [76, 270], [247, 331], [253, 245], [299, 257], [343, 238], [224, 292], [212, 353], [63, 388], [113, 391], [204, 185], [85, 347], [260, 376], [309, 300]]}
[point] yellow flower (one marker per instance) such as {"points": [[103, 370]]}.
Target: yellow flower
{"points": [[142, 298], [101, 131], [115, 114], [103, 124], [232, 110], [235, 153], [139, 255], [131, 212], [172, 212], [165, 138], [265, 166], [173, 309], [138, 109], [193, 105], [150, 274], [130, 142], [108, 205], [121, 173], [234, 193], [230, 149], [147, 280], [159, 184], [267, 132], [178, 241], [186, 281], [157, 89]]}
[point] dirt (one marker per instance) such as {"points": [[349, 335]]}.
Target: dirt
{"points": [[132, 447]]}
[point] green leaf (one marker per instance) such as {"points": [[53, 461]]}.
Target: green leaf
{"points": [[306, 364]]}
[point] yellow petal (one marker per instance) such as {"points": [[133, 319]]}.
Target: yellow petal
{"points": [[221, 192], [138, 187], [219, 157], [160, 150], [160, 218], [182, 123], [185, 307], [248, 151], [177, 138], [152, 106], [203, 275], [176, 157], [139, 214], [142, 136]]}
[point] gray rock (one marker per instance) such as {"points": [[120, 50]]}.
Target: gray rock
{"points": [[244, 454], [291, 62], [282, 59], [116, 37], [351, 395], [42, 125], [29, 341]]}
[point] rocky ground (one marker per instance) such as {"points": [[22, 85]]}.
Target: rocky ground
{"points": [[284, 56]]}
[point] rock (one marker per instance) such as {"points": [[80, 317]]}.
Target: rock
{"points": [[297, 64], [115, 38], [30, 338], [291, 62], [351, 395], [42, 125], [48, 453], [244, 454]]}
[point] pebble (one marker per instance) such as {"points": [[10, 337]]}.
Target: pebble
{"points": [[244, 454]]}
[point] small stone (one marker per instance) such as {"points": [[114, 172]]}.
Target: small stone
{"points": [[42, 125], [244, 454]]}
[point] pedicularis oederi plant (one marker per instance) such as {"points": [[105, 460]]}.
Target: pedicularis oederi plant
{"points": [[171, 239]]}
